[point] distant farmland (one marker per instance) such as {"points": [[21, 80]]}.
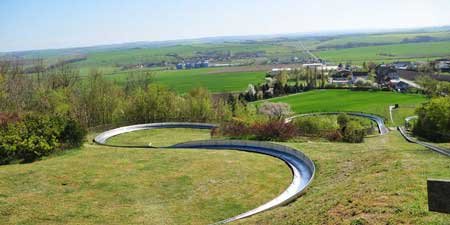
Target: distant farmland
{"points": [[412, 51], [183, 81]]}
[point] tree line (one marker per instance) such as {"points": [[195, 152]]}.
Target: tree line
{"points": [[94, 100]]}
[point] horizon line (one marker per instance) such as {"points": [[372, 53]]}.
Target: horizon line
{"points": [[267, 35]]}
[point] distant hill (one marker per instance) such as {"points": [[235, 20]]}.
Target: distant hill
{"points": [[68, 52]]}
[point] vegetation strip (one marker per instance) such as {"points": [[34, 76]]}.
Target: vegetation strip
{"points": [[303, 168], [378, 120]]}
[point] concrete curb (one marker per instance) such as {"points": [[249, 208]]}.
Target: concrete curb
{"points": [[303, 168]]}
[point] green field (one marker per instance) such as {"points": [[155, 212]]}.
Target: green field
{"points": [[346, 100], [184, 80], [174, 53], [387, 53], [389, 38]]}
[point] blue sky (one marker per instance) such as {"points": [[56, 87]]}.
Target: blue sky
{"points": [[42, 24]]}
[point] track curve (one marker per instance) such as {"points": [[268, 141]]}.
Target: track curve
{"points": [[377, 119], [410, 139], [303, 168]]}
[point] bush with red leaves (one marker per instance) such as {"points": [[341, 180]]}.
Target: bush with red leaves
{"points": [[274, 130], [235, 129]]}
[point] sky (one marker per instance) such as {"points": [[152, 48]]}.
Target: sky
{"points": [[44, 24]]}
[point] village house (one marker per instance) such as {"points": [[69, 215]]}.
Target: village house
{"points": [[360, 75], [442, 65], [386, 74], [341, 77], [276, 71], [401, 86], [402, 65]]}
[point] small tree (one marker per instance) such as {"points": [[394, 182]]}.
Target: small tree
{"points": [[275, 110]]}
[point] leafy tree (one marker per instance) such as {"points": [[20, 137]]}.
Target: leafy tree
{"points": [[434, 120]]}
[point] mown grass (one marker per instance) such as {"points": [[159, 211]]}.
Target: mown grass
{"points": [[382, 181], [101, 185], [399, 115], [160, 137], [346, 100]]}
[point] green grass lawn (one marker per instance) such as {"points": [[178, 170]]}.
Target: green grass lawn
{"points": [[382, 181], [346, 100], [160, 137], [101, 185], [399, 115], [183, 81]]}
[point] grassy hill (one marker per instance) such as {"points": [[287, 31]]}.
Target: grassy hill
{"points": [[380, 181], [346, 100], [102, 185]]}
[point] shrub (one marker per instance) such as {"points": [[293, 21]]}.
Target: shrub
{"points": [[73, 134], [37, 135], [33, 137], [274, 130], [434, 120], [315, 125], [342, 120], [234, 129], [353, 132], [334, 136], [307, 126]]}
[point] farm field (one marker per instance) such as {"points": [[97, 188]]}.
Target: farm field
{"points": [[388, 53], [183, 81], [386, 38], [346, 100], [174, 53]]}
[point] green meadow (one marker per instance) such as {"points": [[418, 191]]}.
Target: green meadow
{"points": [[183, 81], [346, 100]]}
